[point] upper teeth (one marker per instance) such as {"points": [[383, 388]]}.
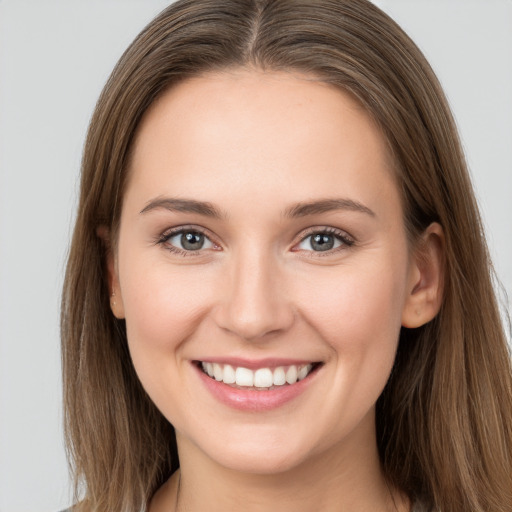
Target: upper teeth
{"points": [[260, 378]]}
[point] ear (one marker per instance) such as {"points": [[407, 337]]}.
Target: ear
{"points": [[116, 300], [426, 278]]}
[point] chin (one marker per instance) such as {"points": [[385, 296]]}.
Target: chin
{"points": [[260, 463], [263, 455]]}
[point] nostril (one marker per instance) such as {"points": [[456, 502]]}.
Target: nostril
{"points": [[251, 302], [252, 321]]}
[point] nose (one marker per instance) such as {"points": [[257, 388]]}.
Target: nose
{"points": [[253, 302]]}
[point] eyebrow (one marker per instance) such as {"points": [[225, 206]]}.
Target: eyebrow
{"points": [[302, 209], [184, 205], [326, 205]]}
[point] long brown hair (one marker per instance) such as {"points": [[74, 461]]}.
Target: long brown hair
{"points": [[444, 420]]}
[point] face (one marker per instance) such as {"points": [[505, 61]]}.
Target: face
{"points": [[262, 242]]}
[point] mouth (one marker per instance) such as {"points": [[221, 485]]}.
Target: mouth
{"points": [[259, 379]]}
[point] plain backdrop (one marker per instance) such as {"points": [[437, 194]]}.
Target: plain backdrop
{"points": [[54, 58]]}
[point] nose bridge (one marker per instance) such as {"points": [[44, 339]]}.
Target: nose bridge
{"points": [[254, 302]]}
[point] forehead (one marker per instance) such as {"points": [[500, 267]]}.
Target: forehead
{"points": [[258, 134]]}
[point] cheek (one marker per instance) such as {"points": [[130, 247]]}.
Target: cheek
{"points": [[163, 307], [358, 314], [162, 304], [351, 300], [360, 320]]}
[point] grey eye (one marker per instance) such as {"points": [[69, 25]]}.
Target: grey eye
{"points": [[320, 242], [190, 241]]}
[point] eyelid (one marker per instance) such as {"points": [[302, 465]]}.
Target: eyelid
{"points": [[166, 235], [346, 239]]}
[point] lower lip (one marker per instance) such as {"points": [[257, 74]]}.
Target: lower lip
{"points": [[251, 399]]}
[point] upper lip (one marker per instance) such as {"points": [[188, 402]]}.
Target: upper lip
{"points": [[254, 364]]}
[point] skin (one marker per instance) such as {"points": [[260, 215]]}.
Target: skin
{"points": [[253, 145]]}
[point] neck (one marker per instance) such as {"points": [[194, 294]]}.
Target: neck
{"points": [[347, 478]]}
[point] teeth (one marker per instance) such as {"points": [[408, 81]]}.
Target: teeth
{"points": [[263, 378], [244, 377], [303, 372], [217, 372], [279, 376], [291, 375], [229, 375]]}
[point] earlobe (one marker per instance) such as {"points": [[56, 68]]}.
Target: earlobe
{"points": [[116, 302], [425, 287]]}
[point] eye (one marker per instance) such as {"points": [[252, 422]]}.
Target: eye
{"points": [[186, 240], [325, 240]]}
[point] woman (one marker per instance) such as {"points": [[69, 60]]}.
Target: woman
{"points": [[278, 293]]}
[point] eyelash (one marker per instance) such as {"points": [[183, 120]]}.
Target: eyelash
{"points": [[164, 238], [346, 240]]}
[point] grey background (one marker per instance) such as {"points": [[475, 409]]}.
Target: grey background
{"points": [[54, 58]]}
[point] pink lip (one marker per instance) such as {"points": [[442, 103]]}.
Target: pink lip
{"points": [[252, 400]]}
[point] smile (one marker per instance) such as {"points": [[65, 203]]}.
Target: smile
{"points": [[256, 386], [260, 378]]}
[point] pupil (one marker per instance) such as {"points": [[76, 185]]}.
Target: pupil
{"points": [[322, 242], [192, 241]]}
